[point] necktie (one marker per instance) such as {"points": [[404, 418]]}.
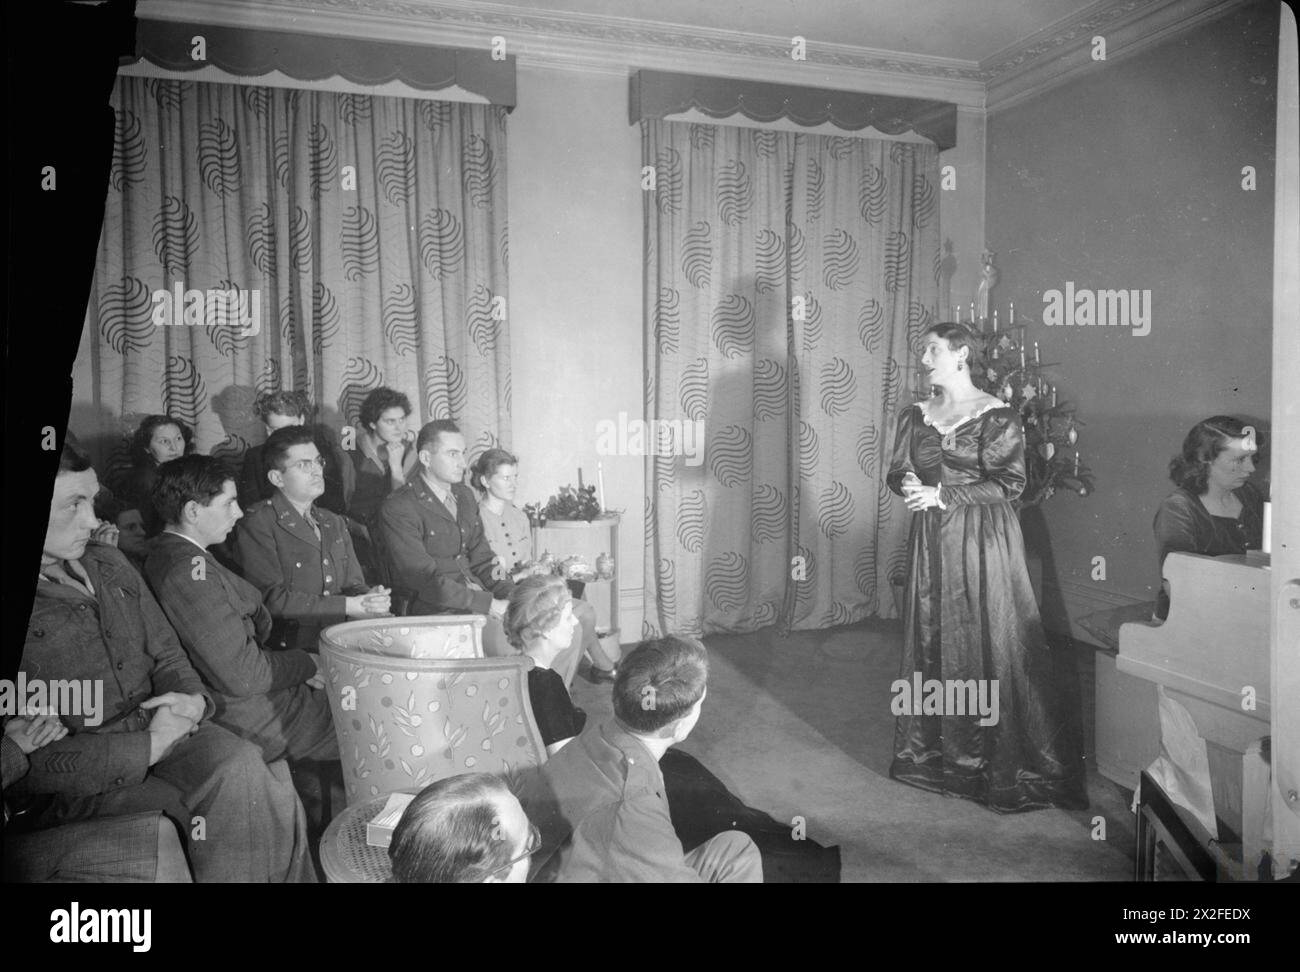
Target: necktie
{"points": [[450, 503], [311, 522], [72, 574]]}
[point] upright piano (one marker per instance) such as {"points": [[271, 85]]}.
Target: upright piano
{"points": [[1212, 656]]}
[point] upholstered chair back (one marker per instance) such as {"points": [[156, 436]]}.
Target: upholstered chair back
{"points": [[404, 722], [428, 636]]}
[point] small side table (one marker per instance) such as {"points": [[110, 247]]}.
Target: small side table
{"points": [[587, 539], [345, 857]]}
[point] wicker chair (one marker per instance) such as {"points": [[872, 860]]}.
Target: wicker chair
{"points": [[403, 722]]}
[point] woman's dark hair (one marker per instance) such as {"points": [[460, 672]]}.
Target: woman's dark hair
{"points": [[144, 434], [1190, 469], [486, 466], [197, 478], [292, 403], [535, 607], [451, 833], [960, 336], [380, 401], [659, 681]]}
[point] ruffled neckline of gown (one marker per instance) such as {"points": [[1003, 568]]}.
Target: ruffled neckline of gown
{"points": [[953, 427]]}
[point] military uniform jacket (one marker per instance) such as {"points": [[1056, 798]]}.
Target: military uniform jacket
{"points": [[304, 580], [435, 556], [223, 625], [121, 637]]}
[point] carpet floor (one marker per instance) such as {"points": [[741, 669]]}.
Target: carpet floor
{"points": [[800, 726]]}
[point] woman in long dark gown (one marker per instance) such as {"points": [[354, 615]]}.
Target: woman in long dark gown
{"points": [[540, 622], [971, 615]]}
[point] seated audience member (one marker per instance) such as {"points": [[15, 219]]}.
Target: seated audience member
{"points": [[382, 460], [1215, 510], [467, 829], [158, 439], [151, 746], [538, 622], [278, 410], [599, 801], [271, 698], [300, 556], [121, 526], [434, 541], [136, 847], [495, 475]]}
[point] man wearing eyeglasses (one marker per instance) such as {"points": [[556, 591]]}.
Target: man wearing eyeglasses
{"points": [[300, 556], [271, 698], [467, 829]]}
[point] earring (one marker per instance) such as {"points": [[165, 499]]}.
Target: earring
{"points": [[961, 365]]}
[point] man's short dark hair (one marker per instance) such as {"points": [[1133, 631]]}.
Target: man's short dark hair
{"points": [[294, 404], [276, 450], [451, 833], [380, 401], [197, 478], [658, 683], [73, 459], [428, 437]]}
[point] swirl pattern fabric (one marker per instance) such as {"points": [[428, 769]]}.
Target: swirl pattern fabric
{"points": [[788, 278], [371, 229]]}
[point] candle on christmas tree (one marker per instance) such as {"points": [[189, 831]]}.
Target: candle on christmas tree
{"points": [[995, 320], [1036, 358], [1053, 396], [1011, 320]]}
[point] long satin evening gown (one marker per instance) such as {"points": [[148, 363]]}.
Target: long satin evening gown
{"points": [[971, 614]]}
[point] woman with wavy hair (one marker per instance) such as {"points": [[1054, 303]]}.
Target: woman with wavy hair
{"points": [[971, 620], [157, 439], [495, 474], [1215, 510]]}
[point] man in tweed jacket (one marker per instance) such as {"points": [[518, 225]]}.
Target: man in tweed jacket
{"points": [[272, 698]]}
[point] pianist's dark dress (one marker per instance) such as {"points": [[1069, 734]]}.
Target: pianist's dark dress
{"points": [[1183, 523], [971, 614]]}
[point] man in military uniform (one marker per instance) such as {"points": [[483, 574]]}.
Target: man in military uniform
{"points": [[151, 747], [298, 555], [434, 542]]}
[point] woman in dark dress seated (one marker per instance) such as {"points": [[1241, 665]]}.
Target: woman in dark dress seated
{"points": [[1215, 510], [158, 439], [280, 409], [540, 622], [382, 459]]}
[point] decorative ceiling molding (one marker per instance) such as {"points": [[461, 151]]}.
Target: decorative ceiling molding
{"points": [[547, 40], [607, 45], [1063, 51]]}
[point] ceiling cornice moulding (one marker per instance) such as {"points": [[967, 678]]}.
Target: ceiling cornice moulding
{"points": [[1063, 51], [606, 45]]}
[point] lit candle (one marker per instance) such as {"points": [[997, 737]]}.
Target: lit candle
{"points": [[1268, 527], [1053, 396], [1076, 463], [1012, 321], [972, 312], [995, 320], [600, 485], [1022, 357], [956, 312], [1036, 360]]}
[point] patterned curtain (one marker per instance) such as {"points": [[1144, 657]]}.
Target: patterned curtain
{"points": [[370, 231], [789, 278]]}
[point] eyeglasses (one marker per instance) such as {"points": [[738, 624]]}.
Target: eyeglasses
{"points": [[532, 847], [306, 465]]}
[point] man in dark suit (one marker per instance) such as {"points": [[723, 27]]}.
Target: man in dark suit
{"points": [[150, 746], [434, 542], [298, 555], [271, 698], [284, 409]]}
